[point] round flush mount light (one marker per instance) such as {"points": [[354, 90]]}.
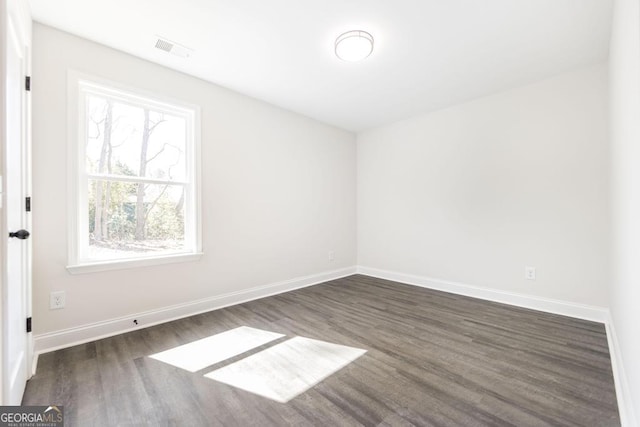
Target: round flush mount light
{"points": [[354, 45]]}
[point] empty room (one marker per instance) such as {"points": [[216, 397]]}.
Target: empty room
{"points": [[323, 213]]}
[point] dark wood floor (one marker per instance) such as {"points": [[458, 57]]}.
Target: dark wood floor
{"points": [[432, 359]]}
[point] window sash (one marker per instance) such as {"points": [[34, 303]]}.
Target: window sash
{"points": [[132, 178], [190, 240], [90, 88], [79, 244]]}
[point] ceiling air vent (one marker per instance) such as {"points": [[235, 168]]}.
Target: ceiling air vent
{"points": [[173, 48], [164, 45]]}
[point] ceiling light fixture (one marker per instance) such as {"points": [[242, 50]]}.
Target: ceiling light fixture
{"points": [[354, 45]]}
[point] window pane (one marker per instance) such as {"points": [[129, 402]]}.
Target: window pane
{"points": [[134, 219], [125, 139]]}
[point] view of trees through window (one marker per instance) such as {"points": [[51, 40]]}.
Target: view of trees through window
{"points": [[137, 178]]}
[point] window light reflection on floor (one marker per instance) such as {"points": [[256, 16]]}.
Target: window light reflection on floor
{"points": [[288, 369], [279, 373], [208, 351]]}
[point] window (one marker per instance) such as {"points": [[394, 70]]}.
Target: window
{"points": [[135, 180]]}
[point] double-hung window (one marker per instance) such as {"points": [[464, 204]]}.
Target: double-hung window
{"points": [[135, 179]]}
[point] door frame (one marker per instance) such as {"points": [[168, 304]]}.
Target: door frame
{"points": [[20, 13]]}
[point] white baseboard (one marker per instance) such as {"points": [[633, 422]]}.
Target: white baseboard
{"points": [[625, 404], [565, 308], [51, 341], [34, 364]]}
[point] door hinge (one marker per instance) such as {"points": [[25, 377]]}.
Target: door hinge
{"points": [[27, 83], [28, 324], [27, 204]]}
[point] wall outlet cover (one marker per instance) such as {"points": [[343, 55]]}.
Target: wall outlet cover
{"points": [[530, 273], [57, 300]]}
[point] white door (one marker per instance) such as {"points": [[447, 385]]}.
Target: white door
{"points": [[16, 348]]}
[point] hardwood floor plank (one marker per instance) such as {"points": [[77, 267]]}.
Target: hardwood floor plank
{"points": [[433, 359]]}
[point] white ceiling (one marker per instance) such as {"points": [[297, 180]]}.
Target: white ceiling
{"points": [[428, 54]]}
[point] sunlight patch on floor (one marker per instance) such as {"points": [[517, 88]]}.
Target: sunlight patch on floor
{"points": [[208, 351], [286, 370]]}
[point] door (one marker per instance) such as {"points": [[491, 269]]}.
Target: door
{"points": [[16, 346]]}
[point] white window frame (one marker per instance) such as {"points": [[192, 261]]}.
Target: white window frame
{"points": [[79, 85]]}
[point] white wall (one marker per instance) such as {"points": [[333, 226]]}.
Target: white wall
{"points": [[474, 193], [470, 194], [279, 192], [624, 70]]}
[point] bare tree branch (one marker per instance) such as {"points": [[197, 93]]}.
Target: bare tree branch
{"points": [[155, 125], [157, 154], [100, 213], [153, 204]]}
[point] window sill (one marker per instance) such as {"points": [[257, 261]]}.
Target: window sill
{"points": [[132, 263]]}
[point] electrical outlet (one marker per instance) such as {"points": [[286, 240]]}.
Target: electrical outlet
{"points": [[57, 300], [332, 255], [530, 273]]}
